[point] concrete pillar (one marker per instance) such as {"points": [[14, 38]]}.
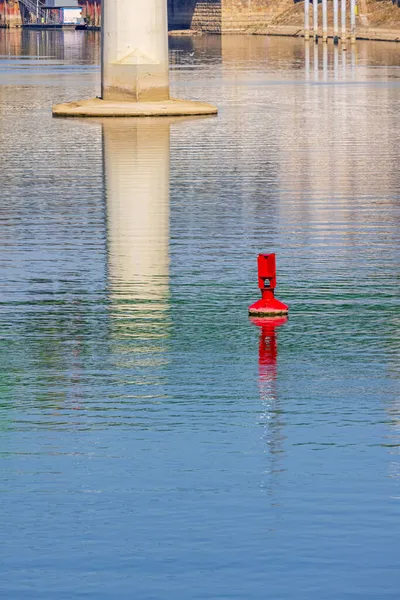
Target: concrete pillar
{"points": [[343, 15], [353, 21], [136, 166], [134, 66], [134, 50], [325, 20], [315, 19], [335, 21], [306, 19]]}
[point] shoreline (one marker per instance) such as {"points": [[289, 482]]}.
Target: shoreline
{"points": [[376, 34], [362, 33]]}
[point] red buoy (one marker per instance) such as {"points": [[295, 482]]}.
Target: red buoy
{"points": [[268, 305]]}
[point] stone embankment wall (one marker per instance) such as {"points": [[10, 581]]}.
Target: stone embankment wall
{"points": [[207, 17], [224, 16], [377, 19], [241, 16], [198, 15]]}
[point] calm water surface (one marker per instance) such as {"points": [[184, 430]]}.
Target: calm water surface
{"points": [[154, 443]]}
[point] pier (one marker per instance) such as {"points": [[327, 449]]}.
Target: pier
{"points": [[134, 67]]}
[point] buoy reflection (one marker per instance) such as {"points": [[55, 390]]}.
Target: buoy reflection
{"points": [[271, 417], [268, 350]]}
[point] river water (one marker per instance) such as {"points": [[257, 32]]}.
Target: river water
{"points": [[156, 444]]}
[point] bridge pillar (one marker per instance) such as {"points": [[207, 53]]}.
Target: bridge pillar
{"points": [[135, 50], [134, 66]]}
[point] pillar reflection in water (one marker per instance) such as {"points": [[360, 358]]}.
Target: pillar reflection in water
{"points": [[307, 59], [325, 62], [316, 62], [336, 63], [353, 61], [136, 167], [268, 373], [344, 63]]}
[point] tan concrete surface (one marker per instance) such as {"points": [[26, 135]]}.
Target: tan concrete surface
{"points": [[95, 107]]}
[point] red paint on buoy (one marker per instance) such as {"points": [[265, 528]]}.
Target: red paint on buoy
{"points": [[268, 305]]}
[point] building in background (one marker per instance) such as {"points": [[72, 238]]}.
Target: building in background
{"points": [[34, 13], [91, 13], [10, 14], [70, 11]]}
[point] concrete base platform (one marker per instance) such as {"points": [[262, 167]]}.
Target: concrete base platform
{"points": [[95, 107]]}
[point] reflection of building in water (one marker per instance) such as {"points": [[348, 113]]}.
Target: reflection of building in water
{"points": [[326, 138], [60, 44], [136, 167], [262, 50], [268, 371]]}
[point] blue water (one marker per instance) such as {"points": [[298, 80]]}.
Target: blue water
{"points": [[154, 443]]}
